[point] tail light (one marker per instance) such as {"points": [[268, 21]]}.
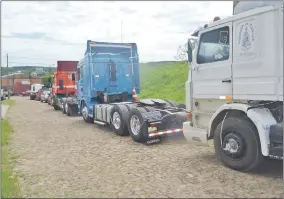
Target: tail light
{"points": [[189, 117]]}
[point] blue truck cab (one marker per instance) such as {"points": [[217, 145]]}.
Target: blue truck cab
{"points": [[108, 73]]}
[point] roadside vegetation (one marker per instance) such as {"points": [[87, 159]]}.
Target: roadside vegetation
{"points": [[9, 102], [10, 187], [164, 81]]}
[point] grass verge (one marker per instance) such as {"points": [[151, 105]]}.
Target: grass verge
{"points": [[164, 81], [9, 102], [10, 187]]}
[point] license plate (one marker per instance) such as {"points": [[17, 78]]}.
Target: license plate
{"points": [[151, 129]]}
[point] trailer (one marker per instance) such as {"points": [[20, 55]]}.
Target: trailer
{"points": [[64, 83], [234, 90], [107, 88]]}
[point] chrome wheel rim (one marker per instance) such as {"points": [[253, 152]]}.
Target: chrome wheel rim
{"points": [[66, 107], [85, 112], [116, 121], [135, 124]]}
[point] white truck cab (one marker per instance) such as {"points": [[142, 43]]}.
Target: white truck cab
{"points": [[34, 89], [235, 86]]}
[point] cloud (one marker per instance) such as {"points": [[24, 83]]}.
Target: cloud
{"points": [[45, 31], [34, 35]]}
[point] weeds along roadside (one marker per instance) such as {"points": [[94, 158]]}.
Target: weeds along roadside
{"points": [[10, 187]]}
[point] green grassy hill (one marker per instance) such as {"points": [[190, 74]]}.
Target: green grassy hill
{"points": [[164, 81]]}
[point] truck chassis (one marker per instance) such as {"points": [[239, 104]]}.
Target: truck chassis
{"points": [[146, 121], [69, 105]]}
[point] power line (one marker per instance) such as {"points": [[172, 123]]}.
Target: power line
{"points": [[13, 62], [33, 57]]}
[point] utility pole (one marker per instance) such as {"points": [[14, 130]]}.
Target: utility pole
{"points": [[8, 77]]}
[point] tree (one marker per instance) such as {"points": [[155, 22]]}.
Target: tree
{"points": [[47, 80]]}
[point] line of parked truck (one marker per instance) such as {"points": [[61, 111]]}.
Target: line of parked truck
{"points": [[234, 92]]}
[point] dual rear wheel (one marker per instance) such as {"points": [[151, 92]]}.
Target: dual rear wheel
{"points": [[128, 119]]}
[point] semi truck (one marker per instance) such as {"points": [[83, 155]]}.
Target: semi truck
{"points": [[107, 87], [64, 83], [69, 103], [3, 96], [234, 91]]}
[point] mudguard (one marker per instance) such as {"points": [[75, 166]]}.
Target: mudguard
{"points": [[261, 117]]}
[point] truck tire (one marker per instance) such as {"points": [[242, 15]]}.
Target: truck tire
{"points": [[85, 115], [119, 119], [56, 107], [137, 127], [67, 109], [245, 154], [63, 108]]}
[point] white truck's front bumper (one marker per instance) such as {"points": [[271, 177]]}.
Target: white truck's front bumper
{"points": [[196, 135]]}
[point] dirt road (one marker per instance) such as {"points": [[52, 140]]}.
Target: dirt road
{"points": [[65, 157]]}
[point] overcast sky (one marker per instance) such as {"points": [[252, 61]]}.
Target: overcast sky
{"points": [[40, 33]]}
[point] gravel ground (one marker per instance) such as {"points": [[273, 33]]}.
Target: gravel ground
{"points": [[61, 156]]}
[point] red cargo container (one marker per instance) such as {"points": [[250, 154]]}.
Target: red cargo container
{"points": [[20, 87], [67, 66]]}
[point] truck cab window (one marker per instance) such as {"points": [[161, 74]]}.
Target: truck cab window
{"points": [[79, 75], [61, 84], [112, 68], [214, 46]]}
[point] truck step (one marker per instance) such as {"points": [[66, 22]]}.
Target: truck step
{"points": [[100, 123]]}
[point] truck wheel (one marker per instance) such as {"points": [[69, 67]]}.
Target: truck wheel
{"points": [[138, 128], [119, 120], [67, 109], [240, 148], [86, 117], [63, 108], [56, 107]]}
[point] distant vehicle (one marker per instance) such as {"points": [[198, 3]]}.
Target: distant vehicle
{"points": [[64, 84], [5, 92], [3, 97], [44, 96], [26, 93], [34, 89]]}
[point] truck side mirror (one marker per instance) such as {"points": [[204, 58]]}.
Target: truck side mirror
{"points": [[189, 51], [73, 77]]}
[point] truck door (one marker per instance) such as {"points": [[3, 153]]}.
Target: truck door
{"points": [[212, 63]]}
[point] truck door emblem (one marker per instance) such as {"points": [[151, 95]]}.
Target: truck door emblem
{"points": [[246, 36]]}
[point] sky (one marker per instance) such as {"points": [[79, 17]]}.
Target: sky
{"points": [[41, 32]]}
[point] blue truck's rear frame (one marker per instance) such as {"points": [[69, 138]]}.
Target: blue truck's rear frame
{"points": [[108, 79]]}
